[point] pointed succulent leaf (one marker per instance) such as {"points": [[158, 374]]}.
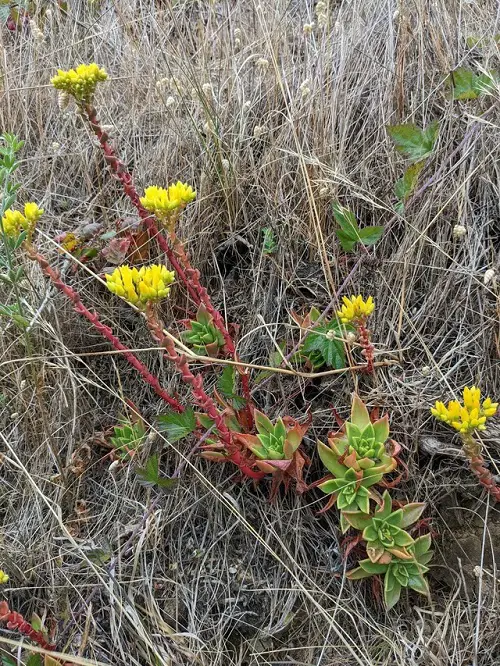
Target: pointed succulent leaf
{"points": [[262, 422], [359, 413], [386, 508], [395, 518], [411, 513], [331, 461], [280, 430], [381, 429], [400, 552], [203, 316], [363, 500], [421, 546], [392, 591], [352, 431], [358, 574], [366, 463], [356, 519], [402, 538], [373, 568], [328, 487], [419, 584], [368, 433], [344, 523]]}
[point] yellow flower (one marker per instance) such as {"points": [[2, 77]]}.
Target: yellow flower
{"points": [[150, 283], [32, 213], [355, 308], [3, 577], [162, 202], [470, 416], [13, 221], [80, 82]]}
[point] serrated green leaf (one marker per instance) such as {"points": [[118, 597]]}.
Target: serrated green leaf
{"points": [[468, 85], [370, 235], [177, 426], [149, 475], [413, 142], [227, 380], [36, 622]]}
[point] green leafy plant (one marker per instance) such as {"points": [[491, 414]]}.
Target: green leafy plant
{"points": [[417, 145], [177, 426], [149, 475], [269, 244], [276, 449], [202, 335], [324, 345], [350, 234], [384, 530], [412, 142], [127, 439], [466, 84], [358, 456]]}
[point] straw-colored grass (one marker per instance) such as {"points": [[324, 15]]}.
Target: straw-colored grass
{"points": [[213, 93]]}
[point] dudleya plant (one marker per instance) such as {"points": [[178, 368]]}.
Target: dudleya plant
{"points": [[384, 531], [357, 458], [399, 573], [202, 335], [274, 445]]}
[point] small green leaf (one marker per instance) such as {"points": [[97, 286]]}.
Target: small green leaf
{"points": [[370, 235], [411, 513], [468, 85], [392, 591], [328, 341], [149, 475], [226, 382], [406, 185], [177, 426], [269, 245], [413, 142], [36, 622], [34, 659], [99, 556]]}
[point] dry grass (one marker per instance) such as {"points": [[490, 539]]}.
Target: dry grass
{"points": [[212, 574]]}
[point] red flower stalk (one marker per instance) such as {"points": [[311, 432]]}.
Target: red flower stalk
{"points": [[366, 344], [201, 398], [484, 476], [472, 450], [177, 255], [15, 620], [104, 330]]}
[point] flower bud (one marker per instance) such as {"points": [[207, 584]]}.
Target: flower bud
{"points": [[489, 276]]}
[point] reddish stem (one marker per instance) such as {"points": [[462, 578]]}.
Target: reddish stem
{"points": [[472, 450], [366, 344], [201, 398], [104, 330], [15, 620], [177, 255]]}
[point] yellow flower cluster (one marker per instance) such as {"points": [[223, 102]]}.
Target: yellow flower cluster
{"points": [[13, 221], [470, 416], [3, 577], [80, 82], [355, 308], [162, 202], [150, 283]]}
